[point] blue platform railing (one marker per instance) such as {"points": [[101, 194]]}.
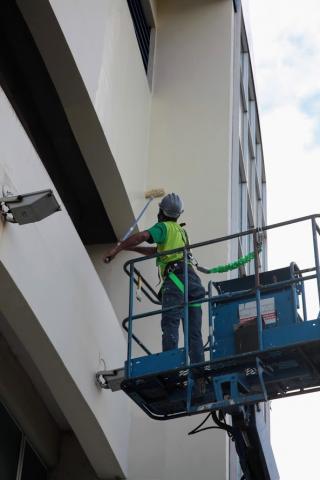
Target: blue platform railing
{"points": [[298, 279]]}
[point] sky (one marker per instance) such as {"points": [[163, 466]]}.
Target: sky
{"points": [[286, 56]]}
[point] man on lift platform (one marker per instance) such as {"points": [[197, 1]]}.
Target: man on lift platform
{"points": [[169, 235]]}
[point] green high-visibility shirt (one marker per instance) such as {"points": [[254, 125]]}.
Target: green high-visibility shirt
{"points": [[168, 236]]}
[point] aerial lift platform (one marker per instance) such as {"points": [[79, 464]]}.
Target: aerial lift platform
{"points": [[261, 346]]}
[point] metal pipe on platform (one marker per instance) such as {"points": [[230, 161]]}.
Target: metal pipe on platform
{"points": [[130, 320], [316, 254], [186, 305], [224, 238], [257, 288], [304, 303], [210, 321], [294, 292]]}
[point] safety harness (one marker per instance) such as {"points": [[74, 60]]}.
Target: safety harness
{"points": [[176, 280], [169, 272], [219, 269]]}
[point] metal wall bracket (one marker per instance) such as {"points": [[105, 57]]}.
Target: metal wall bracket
{"points": [[110, 379]]}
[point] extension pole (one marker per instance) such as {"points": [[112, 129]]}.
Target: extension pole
{"points": [[130, 326], [137, 220], [186, 307], [257, 288], [151, 195]]}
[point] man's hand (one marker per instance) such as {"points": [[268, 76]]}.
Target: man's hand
{"points": [[129, 244], [111, 253]]}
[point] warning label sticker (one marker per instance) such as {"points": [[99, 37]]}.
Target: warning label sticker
{"points": [[248, 311]]}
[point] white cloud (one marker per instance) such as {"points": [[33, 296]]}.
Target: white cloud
{"points": [[292, 162], [286, 39]]}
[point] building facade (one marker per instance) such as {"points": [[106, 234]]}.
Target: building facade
{"points": [[101, 101]]}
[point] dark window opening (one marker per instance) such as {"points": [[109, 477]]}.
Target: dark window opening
{"points": [[32, 466], [31, 92], [142, 29], [10, 442], [16, 455]]}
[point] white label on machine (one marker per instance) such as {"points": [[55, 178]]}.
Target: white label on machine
{"points": [[248, 311]]}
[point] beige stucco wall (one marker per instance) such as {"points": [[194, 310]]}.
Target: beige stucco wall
{"points": [[190, 140], [190, 153]]}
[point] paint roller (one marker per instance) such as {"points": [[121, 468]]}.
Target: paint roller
{"points": [[150, 195]]}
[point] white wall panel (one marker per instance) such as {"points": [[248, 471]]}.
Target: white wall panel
{"points": [[102, 40], [58, 308]]}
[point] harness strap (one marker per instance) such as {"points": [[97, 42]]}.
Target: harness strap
{"points": [[176, 280]]}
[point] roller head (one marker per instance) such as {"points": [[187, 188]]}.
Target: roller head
{"points": [[155, 193]]}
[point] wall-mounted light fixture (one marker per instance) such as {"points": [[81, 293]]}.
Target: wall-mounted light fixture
{"points": [[29, 207]]}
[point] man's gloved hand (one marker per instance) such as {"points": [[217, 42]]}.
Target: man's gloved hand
{"points": [[112, 253]]}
